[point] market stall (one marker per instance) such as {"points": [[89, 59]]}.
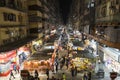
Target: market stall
{"points": [[82, 64], [40, 66]]}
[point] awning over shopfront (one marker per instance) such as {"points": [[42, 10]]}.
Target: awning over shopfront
{"points": [[16, 44], [39, 56]]}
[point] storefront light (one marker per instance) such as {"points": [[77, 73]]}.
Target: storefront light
{"points": [[2, 61], [28, 63], [96, 31], [5, 55], [36, 62]]}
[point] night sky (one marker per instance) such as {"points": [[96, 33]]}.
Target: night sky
{"points": [[65, 8]]}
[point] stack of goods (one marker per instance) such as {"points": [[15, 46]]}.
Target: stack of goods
{"points": [[81, 63], [36, 65]]}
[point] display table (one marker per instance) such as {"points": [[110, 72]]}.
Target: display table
{"points": [[40, 66], [82, 63]]}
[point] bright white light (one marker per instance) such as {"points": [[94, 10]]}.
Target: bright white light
{"points": [[92, 4]]}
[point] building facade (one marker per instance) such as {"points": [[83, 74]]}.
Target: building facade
{"points": [[107, 28], [74, 16], [87, 16], [42, 16], [35, 14], [13, 22]]}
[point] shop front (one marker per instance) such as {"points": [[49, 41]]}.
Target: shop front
{"points": [[39, 65], [5, 62], [112, 60]]}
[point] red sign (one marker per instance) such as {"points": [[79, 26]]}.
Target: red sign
{"points": [[5, 73], [5, 57]]}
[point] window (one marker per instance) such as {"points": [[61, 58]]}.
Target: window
{"points": [[14, 17], [2, 3], [19, 4], [98, 12], [103, 11], [117, 1], [9, 17], [34, 30], [12, 4], [5, 16], [99, 2], [119, 8], [19, 18], [7, 32]]}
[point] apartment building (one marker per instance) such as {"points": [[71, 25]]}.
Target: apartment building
{"points": [[13, 24]]}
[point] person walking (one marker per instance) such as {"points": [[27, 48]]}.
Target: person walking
{"points": [[57, 66], [75, 71], [36, 73], [54, 67], [62, 62], [53, 78], [85, 76], [11, 75], [89, 76], [47, 73], [18, 68], [63, 76], [56, 63], [67, 61], [72, 71], [15, 68]]}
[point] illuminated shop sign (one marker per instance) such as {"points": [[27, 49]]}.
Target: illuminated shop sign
{"points": [[111, 63], [113, 55]]}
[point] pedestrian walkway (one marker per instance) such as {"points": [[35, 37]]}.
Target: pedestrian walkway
{"points": [[58, 75], [68, 74], [17, 77]]}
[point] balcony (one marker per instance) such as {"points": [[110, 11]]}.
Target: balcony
{"points": [[36, 8], [8, 25], [45, 3], [36, 30], [106, 42], [16, 44], [112, 18], [12, 5], [35, 19]]}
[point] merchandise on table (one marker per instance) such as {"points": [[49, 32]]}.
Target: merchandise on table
{"points": [[82, 63], [33, 65]]}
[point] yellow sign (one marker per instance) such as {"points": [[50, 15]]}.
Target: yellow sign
{"points": [[80, 48]]}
